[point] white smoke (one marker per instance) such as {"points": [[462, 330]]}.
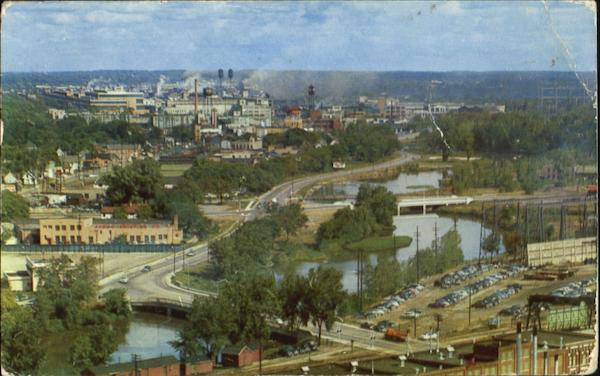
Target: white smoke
{"points": [[188, 80], [159, 85], [433, 82]]}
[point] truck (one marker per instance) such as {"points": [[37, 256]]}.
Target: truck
{"points": [[397, 335]]}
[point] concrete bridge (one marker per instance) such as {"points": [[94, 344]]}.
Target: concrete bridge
{"points": [[169, 307], [424, 202]]}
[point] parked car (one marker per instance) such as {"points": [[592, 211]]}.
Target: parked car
{"points": [[146, 269], [124, 280], [287, 351], [428, 336]]}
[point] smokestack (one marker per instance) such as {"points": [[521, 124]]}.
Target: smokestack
{"points": [[534, 348], [196, 99], [518, 360]]}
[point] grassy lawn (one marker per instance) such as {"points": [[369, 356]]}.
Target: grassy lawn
{"points": [[174, 170], [201, 277], [381, 243]]}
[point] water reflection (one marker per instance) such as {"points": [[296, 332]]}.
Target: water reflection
{"points": [[406, 225], [148, 337], [403, 183]]}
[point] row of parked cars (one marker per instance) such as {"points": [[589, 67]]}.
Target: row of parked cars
{"points": [[495, 298], [462, 293], [290, 350], [575, 289], [394, 301], [456, 277]]}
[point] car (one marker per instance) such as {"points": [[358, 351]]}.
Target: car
{"points": [[191, 253], [287, 351], [146, 269], [412, 313], [428, 336], [124, 280], [366, 325]]}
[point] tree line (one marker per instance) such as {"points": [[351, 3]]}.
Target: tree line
{"points": [[66, 300], [249, 305], [372, 215], [517, 133]]}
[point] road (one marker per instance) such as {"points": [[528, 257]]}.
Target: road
{"points": [[156, 283]]}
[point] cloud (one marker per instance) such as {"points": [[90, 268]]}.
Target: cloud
{"points": [[357, 35]]}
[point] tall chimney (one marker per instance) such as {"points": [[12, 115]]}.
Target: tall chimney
{"points": [[196, 99], [518, 360], [534, 349]]}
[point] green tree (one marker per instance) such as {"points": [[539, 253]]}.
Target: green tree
{"points": [[491, 243], [293, 295], [139, 182], [326, 295], [116, 303], [384, 278], [290, 218], [14, 206], [380, 202], [22, 348], [254, 304], [81, 352], [119, 213], [210, 324]]}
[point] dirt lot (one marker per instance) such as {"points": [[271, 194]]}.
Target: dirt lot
{"points": [[455, 317], [113, 262]]}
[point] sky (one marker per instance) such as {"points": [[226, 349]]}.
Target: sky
{"points": [[317, 35]]}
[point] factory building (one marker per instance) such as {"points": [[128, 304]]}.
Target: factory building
{"points": [[53, 231]]}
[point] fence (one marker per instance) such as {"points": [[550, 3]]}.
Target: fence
{"points": [[561, 251], [94, 248]]}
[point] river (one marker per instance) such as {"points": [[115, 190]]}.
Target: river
{"points": [[148, 336], [401, 184], [468, 230]]}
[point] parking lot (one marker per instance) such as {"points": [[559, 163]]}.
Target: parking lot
{"points": [[454, 318]]}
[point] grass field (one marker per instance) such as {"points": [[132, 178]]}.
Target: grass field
{"points": [[174, 170]]}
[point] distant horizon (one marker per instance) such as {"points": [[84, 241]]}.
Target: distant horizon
{"points": [[299, 70], [352, 36]]}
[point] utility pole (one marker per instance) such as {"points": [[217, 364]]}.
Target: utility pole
{"points": [[481, 232], [469, 305], [417, 254], [526, 224], [135, 364], [562, 221], [541, 222]]}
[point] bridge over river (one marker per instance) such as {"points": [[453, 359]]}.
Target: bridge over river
{"points": [[432, 201]]}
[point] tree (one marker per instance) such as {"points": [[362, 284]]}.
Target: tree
{"points": [[116, 303], [81, 352], [293, 295], [254, 304], [290, 218], [379, 201], [120, 213], [210, 324], [22, 348], [14, 207], [139, 182], [491, 243], [326, 294], [384, 278]]}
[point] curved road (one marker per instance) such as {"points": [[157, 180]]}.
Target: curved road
{"points": [[156, 283]]}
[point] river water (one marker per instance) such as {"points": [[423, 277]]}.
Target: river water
{"points": [[406, 226], [148, 337], [403, 183]]}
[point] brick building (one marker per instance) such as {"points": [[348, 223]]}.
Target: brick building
{"points": [[54, 231]]}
